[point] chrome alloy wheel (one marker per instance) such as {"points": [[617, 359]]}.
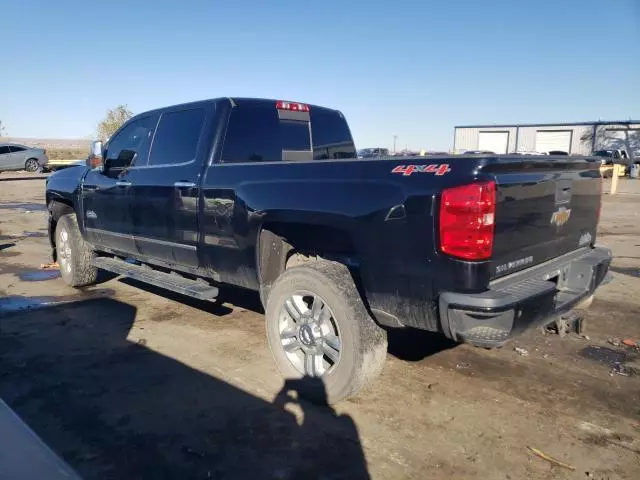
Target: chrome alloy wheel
{"points": [[309, 334], [64, 251]]}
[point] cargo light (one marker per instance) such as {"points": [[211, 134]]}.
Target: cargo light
{"points": [[292, 106], [467, 221]]}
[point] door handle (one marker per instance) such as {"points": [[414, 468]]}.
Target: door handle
{"points": [[184, 184], [123, 183]]}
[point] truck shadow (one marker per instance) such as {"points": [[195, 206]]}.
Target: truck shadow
{"points": [[413, 345], [408, 344], [239, 297], [630, 271], [113, 408]]}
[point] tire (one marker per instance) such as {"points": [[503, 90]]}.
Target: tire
{"points": [[330, 376], [32, 165], [74, 254]]}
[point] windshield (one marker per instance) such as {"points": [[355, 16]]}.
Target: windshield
{"points": [[603, 153]]}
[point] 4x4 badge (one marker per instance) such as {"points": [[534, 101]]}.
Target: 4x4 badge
{"points": [[436, 169]]}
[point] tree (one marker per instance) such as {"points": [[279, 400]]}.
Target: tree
{"points": [[3, 131], [113, 120]]}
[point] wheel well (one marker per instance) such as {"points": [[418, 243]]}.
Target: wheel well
{"points": [[283, 245], [57, 208]]}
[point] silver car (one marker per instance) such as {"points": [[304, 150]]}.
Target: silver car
{"points": [[20, 157]]}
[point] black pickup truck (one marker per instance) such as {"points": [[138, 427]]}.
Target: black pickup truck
{"points": [[270, 196]]}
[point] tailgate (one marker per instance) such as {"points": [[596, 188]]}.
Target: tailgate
{"points": [[544, 209]]}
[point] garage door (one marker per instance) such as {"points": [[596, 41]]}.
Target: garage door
{"points": [[547, 141], [495, 142]]}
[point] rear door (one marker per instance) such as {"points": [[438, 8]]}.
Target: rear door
{"points": [[544, 209], [259, 132], [164, 193]]}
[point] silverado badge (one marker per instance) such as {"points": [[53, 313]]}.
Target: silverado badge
{"points": [[560, 216]]}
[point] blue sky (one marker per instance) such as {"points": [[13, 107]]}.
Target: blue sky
{"points": [[410, 68]]}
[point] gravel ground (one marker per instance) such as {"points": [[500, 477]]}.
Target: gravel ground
{"points": [[127, 381]]}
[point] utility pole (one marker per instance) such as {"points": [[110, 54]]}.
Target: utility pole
{"points": [[395, 137], [1, 129]]}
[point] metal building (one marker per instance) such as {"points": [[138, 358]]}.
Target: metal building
{"points": [[581, 138]]}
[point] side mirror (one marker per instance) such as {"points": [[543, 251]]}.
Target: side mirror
{"points": [[95, 154], [96, 148]]}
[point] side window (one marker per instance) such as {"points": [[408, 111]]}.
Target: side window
{"points": [[252, 136], [177, 136], [17, 149], [4, 149], [130, 145]]}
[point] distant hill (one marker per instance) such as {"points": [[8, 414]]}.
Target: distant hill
{"points": [[53, 143]]}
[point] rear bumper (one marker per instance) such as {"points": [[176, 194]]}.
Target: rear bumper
{"points": [[533, 297]]}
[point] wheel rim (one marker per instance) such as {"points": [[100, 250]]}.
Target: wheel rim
{"points": [[309, 334], [64, 251], [32, 165]]}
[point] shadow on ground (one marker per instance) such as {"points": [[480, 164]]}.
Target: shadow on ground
{"points": [[18, 179], [239, 297], [116, 409], [29, 207], [413, 345], [4, 246], [408, 344], [631, 271]]}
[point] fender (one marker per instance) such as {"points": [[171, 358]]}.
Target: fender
{"points": [[65, 186]]}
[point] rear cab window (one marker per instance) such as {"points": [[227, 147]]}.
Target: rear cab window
{"points": [[331, 136], [259, 132]]}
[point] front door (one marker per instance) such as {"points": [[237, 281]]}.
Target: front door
{"points": [[165, 192], [18, 156], [5, 158], [106, 190]]}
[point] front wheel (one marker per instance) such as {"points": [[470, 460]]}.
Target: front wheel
{"points": [[319, 329], [74, 255], [32, 165]]}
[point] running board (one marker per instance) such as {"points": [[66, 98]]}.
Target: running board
{"points": [[194, 288]]}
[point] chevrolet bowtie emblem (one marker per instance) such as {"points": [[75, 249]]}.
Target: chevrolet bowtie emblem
{"points": [[561, 216]]}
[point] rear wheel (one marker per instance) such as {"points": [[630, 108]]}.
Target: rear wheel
{"points": [[75, 256], [319, 329], [32, 165]]}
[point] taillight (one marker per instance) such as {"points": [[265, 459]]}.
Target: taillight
{"points": [[293, 106], [467, 220]]}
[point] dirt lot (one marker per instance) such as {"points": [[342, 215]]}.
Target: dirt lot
{"points": [[126, 381]]}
